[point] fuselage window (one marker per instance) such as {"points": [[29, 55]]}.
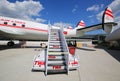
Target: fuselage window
{"points": [[5, 23], [23, 25], [14, 24]]}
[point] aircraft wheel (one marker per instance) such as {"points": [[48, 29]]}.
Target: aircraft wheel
{"points": [[11, 43]]}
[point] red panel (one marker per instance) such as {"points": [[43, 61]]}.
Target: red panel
{"points": [[65, 32]]}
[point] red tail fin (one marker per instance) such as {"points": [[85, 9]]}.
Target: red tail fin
{"points": [[81, 24], [108, 15], [69, 27]]}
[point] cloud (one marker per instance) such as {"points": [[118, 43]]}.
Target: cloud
{"points": [[75, 8], [24, 10], [115, 6], [91, 16], [40, 20], [59, 24], [95, 7]]}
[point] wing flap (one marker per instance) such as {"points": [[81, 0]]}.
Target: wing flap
{"points": [[95, 27]]}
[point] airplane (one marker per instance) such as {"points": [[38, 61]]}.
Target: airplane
{"points": [[17, 29]]}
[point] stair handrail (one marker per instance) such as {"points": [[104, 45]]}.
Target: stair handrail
{"points": [[66, 46], [46, 55]]}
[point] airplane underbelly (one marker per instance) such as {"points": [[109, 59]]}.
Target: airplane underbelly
{"points": [[36, 36], [23, 34], [113, 36]]}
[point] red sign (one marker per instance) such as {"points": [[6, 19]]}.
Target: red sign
{"points": [[73, 63], [39, 63], [56, 67], [65, 32]]}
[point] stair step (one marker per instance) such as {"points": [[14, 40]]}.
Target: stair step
{"points": [[56, 57], [55, 41], [56, 61], [57, 53], [56, 64], [54, 34], [57, 71], [55, 44], [54, 30], [56, 47], [54, 37], [56, 50]]}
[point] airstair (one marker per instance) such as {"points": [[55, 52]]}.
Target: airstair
{"points": [[57, 56]]}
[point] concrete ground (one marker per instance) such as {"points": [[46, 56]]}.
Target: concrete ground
{"points": [[95, 65]]}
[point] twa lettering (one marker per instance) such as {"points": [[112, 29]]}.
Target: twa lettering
{"points": [[56, 67], [13, 21], [74, 63], [39, 63]]}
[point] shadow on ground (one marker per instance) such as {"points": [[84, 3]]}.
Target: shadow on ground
{"points": [[114, 52], [4, 47], [87, 49]]}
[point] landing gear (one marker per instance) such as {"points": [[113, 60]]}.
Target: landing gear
{"points": [[22, 43], [10, 43], [43, 45]]}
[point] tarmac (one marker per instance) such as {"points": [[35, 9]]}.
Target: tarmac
{"points": [[96, 64]]}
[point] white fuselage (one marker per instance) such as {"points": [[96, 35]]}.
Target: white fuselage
{"points": [[26, 30]]}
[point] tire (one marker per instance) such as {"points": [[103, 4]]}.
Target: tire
{"points": [[10, 43]]}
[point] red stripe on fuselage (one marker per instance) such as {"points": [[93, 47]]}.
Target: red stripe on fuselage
{"points": [[42, 30], [24, 27]]}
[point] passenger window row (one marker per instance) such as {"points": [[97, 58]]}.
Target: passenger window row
{"points": [[14, 24]]}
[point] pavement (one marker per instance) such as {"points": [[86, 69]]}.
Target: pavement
{"points": [[96, 64]]}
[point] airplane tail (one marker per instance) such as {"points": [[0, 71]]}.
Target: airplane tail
{"points": [[69, 27], [108, 20], [80, 24]]}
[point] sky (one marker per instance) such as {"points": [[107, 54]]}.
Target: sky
{"points": [[57, 12]]}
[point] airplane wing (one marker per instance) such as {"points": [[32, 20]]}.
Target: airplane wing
{"points": [[95, 27], [107, 23], [90, 28]]}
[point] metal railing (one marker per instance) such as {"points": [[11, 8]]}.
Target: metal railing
{"points": [[46, 55], [65, 48]]}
